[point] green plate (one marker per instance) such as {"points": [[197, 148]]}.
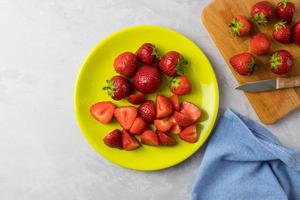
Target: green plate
{"points": [[98, 67]]}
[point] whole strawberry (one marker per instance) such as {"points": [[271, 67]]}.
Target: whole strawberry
{"points": [[172, 63], [281, 62], [147, 111], [296, 33], [240, 26], [260, 44], [147, 79], [282, 32], [285, 11], [261, 12], [180, 85], [147, 53], [125, 64], [243, 63], [118, 87]]}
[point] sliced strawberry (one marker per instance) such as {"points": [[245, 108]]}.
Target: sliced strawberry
{"points": [[165, 140], [176, 129], [138, 126], [136, 99], [182, 119], [191, 110], [163, 125], [175, 102], [126, 116], [114, 139], [129, 142], [189, 134], [149, 138], [163, 107], [103, 111]]}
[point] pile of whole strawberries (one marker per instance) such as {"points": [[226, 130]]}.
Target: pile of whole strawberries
{"points": [[281, 61], [141, 74]]}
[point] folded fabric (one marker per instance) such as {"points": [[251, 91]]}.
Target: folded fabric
{"points": [[244, 161]]}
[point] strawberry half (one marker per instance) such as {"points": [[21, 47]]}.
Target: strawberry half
{"points": [[182, 119], [164, 107], [147, 53], [148, 137], [172, 63], [176, 129], [180, 85], [243, 63], [189, 134], [240, 26], [281, 62], [261, 12], [138, 126], [136, 99], [147, 111], [285, 10], [114, 139], [126, 116], [175, 102], [163, 125], [103, 111], [165, 140], [129, 142], [118, 87], [191, 110], [125, 64], [282, 32]]}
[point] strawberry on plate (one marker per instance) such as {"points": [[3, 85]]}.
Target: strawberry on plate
{"points": [[296, 33], [126, 116], [148, 137], [118, 87], [147, 53], [129, 142], [189, 134], [103, 111], [281, 62], [243, 63], [172, 63], [114, 139], [175, 102], [180, 85], [147, 79], [136, 99], [163, 125], [240, 26], [126, 64], [138, 126], [285, 10], [260, 44], [165, 140], [164, 107], [191, 110], [147, 111], [261, 12], [176, 129], [282, 32], [182, 119]]}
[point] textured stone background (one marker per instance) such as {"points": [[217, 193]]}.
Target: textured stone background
{"points": [[42, 152]]}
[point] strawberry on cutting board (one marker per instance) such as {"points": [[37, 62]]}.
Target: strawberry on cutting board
{"points": [[103, 111], [240, 26], [296, 33], [260, 44], [164, 107], [282, 32], [147, 53], [281, 62], [148, 137], [243, 63], [118, 87], [114, 139], [180, 85], [172, 63], [125, 116], [261, 12], [129, 142], [285, 10], [126, 64]]}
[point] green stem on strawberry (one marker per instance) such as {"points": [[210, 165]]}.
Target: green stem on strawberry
{"points": [[260, 18], [235, 27], [110, 88], [284, 3], [275, 61]]}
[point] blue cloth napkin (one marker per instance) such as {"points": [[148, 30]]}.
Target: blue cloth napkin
{"points": [[244, 161]]}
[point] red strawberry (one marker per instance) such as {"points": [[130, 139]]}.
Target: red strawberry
{"points": [[125, 64], [147, 53], [281, 62], [118, 87], [163, 125], [285, 10], [136, 99], [191, 110], [180, 85], [147, 79], [172, 63], [189, 134], [182, 119], [282, 32], [260, 44], [176, 129], [262, 12], [240, 26], [175, 102], [163, 107], [165, 140], [138, 126], [126, 116], [114, 139], [150, 138], [296, 31], [129, 142], [103, 111], [147, 111], [243, 63]]}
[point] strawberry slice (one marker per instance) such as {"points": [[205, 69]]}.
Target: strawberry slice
{"points": [[165, 140], [182, 119], [190, 110], [126, 116], [175, 102], [129, 142], [136, 99], [103, 111], [189, 134], [176, 129], [163, 107], [138, 126], [163, 125], [114, 139], [149, 138]]}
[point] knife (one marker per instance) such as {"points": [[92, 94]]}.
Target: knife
{"points": [[271, 84]]}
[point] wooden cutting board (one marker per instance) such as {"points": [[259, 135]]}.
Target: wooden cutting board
{"points": [[269, 106]]}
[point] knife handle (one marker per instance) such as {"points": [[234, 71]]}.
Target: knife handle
{"points": [[288, 82]]}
